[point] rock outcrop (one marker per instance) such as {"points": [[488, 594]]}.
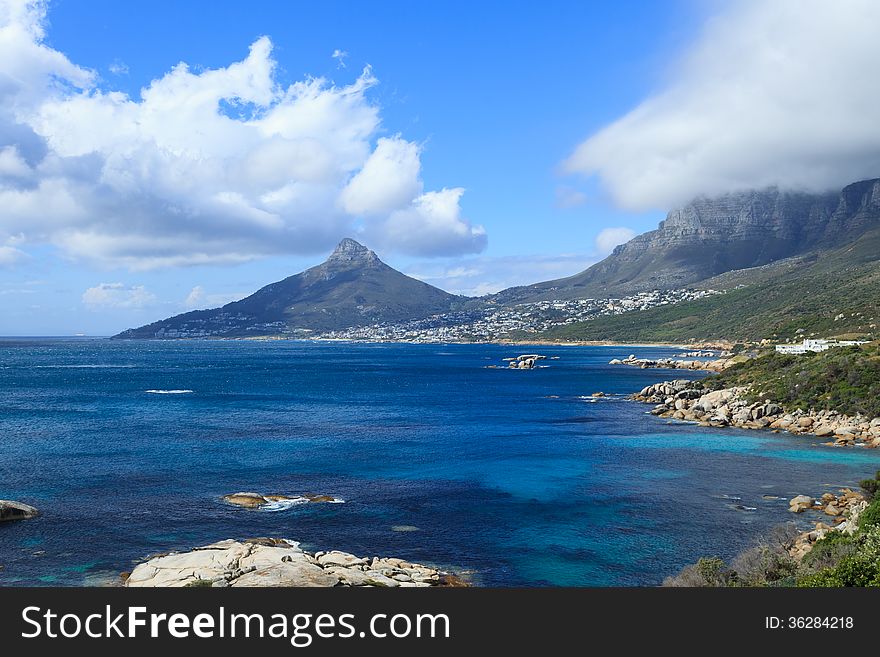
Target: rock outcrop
{"points": [[688, 401], [842, 512], [715, 365], [10, 510], [524, 362], [266, 562], [260, 501]]}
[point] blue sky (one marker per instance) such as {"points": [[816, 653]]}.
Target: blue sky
{"points": [[495, 143]]}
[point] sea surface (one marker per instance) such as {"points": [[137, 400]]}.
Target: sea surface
{"points": [[518, 477]]}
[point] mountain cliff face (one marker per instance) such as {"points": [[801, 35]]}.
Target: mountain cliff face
{"points": [[712, 236], [351, 288]]}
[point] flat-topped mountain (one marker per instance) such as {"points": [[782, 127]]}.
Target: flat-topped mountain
{"points": [[351, 288], [708, 237]]}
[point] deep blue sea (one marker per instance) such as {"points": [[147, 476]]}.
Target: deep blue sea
{"points": [[512, 475]]}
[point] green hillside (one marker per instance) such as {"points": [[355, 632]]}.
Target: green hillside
{"points": [[845, 379], [809, 293]]}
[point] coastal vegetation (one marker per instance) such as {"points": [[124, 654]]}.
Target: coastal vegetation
{"points": [[844, 379], [848, 557], [824, 293]]}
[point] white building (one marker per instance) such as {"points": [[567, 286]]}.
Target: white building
{"points": [[815, 346]]}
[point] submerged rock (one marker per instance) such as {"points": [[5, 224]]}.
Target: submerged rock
{"points": [[280, 562], [10, 510]]}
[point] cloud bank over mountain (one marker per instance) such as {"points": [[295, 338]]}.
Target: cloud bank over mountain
{"points": [[205, 166], [780, 93]]}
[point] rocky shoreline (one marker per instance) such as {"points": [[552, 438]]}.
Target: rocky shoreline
{"points": [[842, 512], [729, 407], [715, 365], [275, 562]]}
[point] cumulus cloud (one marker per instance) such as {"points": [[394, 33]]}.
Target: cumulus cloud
{"points": [[771, 93], [388, 180], [608, 238], [198, 298], [117, 295], [442, 230], [204, 166], [569, 197]]}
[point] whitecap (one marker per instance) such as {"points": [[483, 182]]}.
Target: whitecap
{"points": [[168, 392], [283, 505]]}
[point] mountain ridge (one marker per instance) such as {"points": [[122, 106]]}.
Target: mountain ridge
{"points": [[352, 287], [769, 242], [711, 236]]}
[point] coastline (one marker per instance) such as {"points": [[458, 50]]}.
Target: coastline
{"points": [[786, 556]]}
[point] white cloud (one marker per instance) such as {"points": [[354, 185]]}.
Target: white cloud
{"points": [[118, 67], [198, 298], [10, 256], [771, 93], [388, 180], [117, 295], [205, 166], [569, 197], [339, 56], [431, 225], [608, 238]]}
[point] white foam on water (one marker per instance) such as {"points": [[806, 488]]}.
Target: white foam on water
{"points": [[168, 392], [283, 505]]}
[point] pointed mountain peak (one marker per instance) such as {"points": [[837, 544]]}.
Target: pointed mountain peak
{"points": [[350, 251]]}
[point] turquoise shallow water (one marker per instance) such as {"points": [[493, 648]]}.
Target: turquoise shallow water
{"points": [[513, 475]]}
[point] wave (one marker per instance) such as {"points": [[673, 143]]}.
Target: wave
{"points": [[168, 392], [283, 505]]}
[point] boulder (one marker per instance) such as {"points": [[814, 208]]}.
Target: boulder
{"points": [[800, 503], [824, 430], [832, 510], [10, 510], [278, 562], [336, 558], [246, 500]]}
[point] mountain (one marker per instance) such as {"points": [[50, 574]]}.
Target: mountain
{"points": [[833, 289], [711, 236], [351, 288]]}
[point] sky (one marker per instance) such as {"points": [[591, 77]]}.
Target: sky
{"points": [[158, 157]]}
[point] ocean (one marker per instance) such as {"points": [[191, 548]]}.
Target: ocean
{"points": [[518, 478]]}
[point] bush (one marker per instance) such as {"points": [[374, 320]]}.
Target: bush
{"points": [[759, 566], [707, 572], [823, 579], [828, 551], [870, 517], [871, 486]]}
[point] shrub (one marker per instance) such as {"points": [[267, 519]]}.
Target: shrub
{"points": [[707, 572], [870, 517], [823, 579], [828, 551], [871, 486], [759, 566]]}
